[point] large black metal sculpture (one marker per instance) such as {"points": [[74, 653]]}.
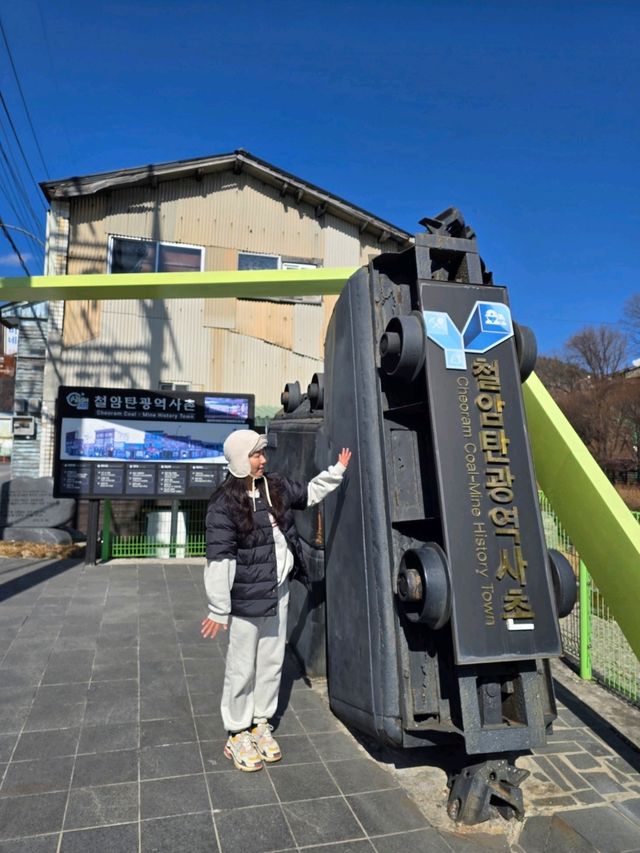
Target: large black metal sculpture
{"points": [[433, 585]]}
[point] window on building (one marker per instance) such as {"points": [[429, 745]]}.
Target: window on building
{"points": [[173, 386], [250, 261], [130, 255]]}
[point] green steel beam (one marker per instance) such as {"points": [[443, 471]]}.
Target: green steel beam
{"points": [[184, 285], [604, 531]]}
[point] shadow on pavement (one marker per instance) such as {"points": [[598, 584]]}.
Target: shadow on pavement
{"points": [[28, 579]]}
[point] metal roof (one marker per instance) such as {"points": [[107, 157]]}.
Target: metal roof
{"points": [[237, 161]]}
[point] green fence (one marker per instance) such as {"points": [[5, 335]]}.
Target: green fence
{"points": [[150, 529], [591, 638]]}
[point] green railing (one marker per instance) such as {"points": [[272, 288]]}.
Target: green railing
{"points": [[146, 531], [591, 638]]}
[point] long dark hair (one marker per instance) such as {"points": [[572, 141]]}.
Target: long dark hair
{"points": [[233, 491]]}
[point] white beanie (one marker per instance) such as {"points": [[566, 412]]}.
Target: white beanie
{"points": [[238, 447]]}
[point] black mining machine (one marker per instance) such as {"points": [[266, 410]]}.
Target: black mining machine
{"points": [[435, 602]]}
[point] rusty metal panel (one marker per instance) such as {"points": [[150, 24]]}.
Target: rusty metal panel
{"points": [[248, 365], [142, 343], [269, 321], [328, 304], [219, 313], [307, 330], [81, 321]]}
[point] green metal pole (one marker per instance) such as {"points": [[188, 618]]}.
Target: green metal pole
{"points": [[585, 622], [106, 531]]}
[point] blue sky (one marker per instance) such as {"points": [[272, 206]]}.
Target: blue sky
{"points": [[522, 114]]}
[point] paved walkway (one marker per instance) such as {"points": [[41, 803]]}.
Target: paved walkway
{"points": [[111, 740]]}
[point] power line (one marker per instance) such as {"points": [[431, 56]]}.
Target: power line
{"points": [[24, 156], [14, 247], [24, 103], [17, 181]]}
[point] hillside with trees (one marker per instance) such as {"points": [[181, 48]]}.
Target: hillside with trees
{"points": [[600, 394]]}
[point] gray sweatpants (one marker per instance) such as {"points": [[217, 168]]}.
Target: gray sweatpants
{"points": [[254, 666]]}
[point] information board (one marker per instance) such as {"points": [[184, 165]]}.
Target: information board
{"points": [[124, 443]]}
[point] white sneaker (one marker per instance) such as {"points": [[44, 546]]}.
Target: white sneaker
{"points": [[265, 743], [241, 749]]}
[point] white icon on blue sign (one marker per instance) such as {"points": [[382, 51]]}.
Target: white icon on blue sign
{"points": [[489, 324]]}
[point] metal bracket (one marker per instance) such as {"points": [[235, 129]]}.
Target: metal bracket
{"points": [[483, 791]]}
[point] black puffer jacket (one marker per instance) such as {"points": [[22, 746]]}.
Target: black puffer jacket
{"points": [[255, 588]]}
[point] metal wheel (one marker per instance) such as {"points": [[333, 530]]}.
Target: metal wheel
{"points": [[315, 391], [291, 397], [423, 586], [402, 347], [564, 582], [527, 350]]}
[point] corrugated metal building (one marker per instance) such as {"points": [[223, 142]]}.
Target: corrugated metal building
{"points": [[225, 212]]}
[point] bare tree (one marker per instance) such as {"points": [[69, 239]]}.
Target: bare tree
{"points": [[559, 376], [600, 350]]}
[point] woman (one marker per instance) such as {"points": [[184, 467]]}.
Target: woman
{"points": [[252, 551]]}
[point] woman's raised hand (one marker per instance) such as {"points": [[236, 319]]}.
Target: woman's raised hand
{"points": [[344, 456]]}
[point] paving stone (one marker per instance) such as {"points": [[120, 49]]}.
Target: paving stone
{"points": [[37, 776], [357, 775], [204, 703], [35, 844], [588, 797], [552, 773], [105, 768], [105, 804], [319, 721], [253, 830], [534, 835], [192, 834], [179, 795], [65, 716], [302, 782], [559, 746], [7, 743], [426, 840], [335, 745], [289, 724], [165, 707], [621, 766], [595, 747], [583, 761], [570, 775], [602, 783], [382, 812], [315, 821], [12, 719], [630, 808], [114, 671], [35, 815], [558, 802], [20, 676], [359, 845], [114, 709], [160, 732], [213, 757], [297, 749], [172, 760], [111, 839], [47, 744], [235, 790], [108, 738], [604, 828]]}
